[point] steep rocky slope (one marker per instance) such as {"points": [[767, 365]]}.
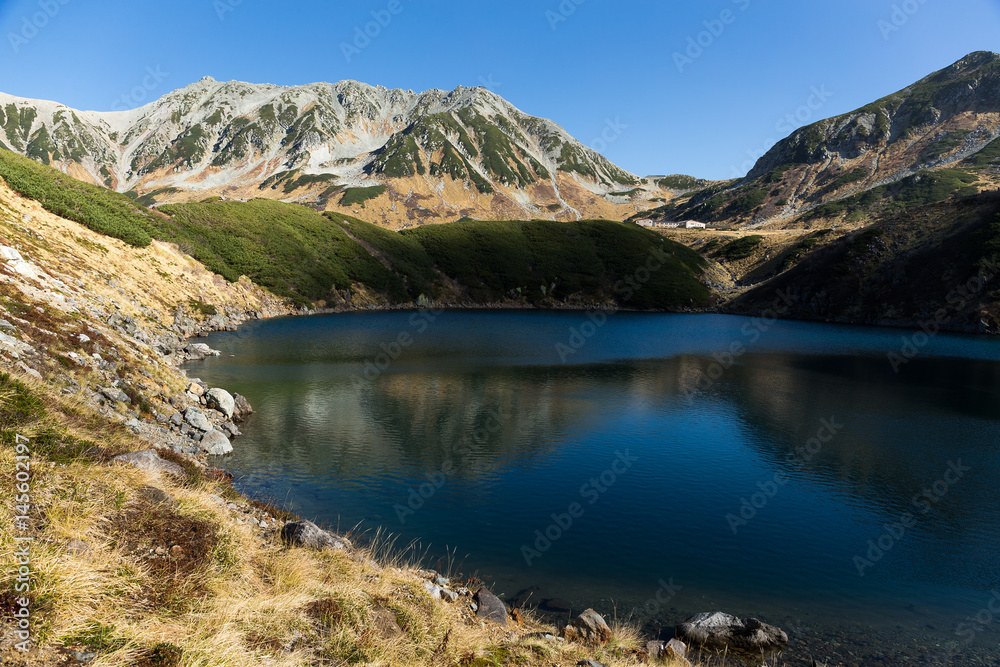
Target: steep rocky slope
{"points": [[408, 158], [931, 140]]}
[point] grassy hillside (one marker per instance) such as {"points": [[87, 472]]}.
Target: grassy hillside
{"points": [[298, 253], [541, 260], [289, 249], [934, 262], [99, 209]]}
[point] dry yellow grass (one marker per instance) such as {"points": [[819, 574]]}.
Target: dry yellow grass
{"points": [[252, 601]]}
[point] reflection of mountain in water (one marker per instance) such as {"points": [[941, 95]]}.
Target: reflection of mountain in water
{"points": [[900, 434], [482, 420]]}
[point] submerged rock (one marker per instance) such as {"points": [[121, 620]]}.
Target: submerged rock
{"points": [[557, 605], [526, 598], [717, 630]]}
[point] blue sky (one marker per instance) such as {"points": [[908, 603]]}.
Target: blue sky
{"points": [[621, 76]]}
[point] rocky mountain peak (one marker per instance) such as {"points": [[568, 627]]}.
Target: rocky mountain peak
{"points": [[467, 149]]}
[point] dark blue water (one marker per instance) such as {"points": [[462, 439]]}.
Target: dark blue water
{"points": [[747, 463]]}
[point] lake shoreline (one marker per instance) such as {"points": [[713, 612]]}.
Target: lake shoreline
{"points": [[583, 596]]}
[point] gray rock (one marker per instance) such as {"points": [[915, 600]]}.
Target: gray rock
{"points": [[243, 408], [133, 425], [673, 650], [435, 591], [199, 351], [122, 323], [223, 401], [198, 419], [309, 535], [588, 627], [490, 607], [443, 582], [162, 418], [115, 395], [589, 663], [7, 326], [176, 419], [196, 389], [215, 443], [83, 656], [716, 630], [449, 595], [150, 460]]}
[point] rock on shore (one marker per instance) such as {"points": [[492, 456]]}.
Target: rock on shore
{"points": [[716, 630]]}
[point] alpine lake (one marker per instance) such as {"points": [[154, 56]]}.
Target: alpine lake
{"points": [[838, 482]]}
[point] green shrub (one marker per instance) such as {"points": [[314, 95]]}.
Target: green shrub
{"points": [[741, 248]]}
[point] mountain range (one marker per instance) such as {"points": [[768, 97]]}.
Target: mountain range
{"points": [[873, 216], [407, 158]]}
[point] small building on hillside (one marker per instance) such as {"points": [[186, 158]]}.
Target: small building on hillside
{"points": [[658, 224], [691, 224]]}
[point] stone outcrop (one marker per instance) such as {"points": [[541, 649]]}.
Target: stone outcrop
{"points": [[490, 607], [308, 535], [588, 627], [717, 630]]}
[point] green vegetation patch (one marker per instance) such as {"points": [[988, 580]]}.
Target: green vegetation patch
{"points": [[399, 158], [852, 176], [18, 406], [926, 187], [945, 144], [498, 155], [747, 202], [989, 156], [541, 259], [187, 150], [741, 248], [355, 196], [96, 208], [289, 249], [681, 182]]}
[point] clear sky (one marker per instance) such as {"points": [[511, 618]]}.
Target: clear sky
{"points": [[629, 78]]}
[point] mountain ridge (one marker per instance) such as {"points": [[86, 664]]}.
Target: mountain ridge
{"points": [[941, 121], [442, 154]]}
